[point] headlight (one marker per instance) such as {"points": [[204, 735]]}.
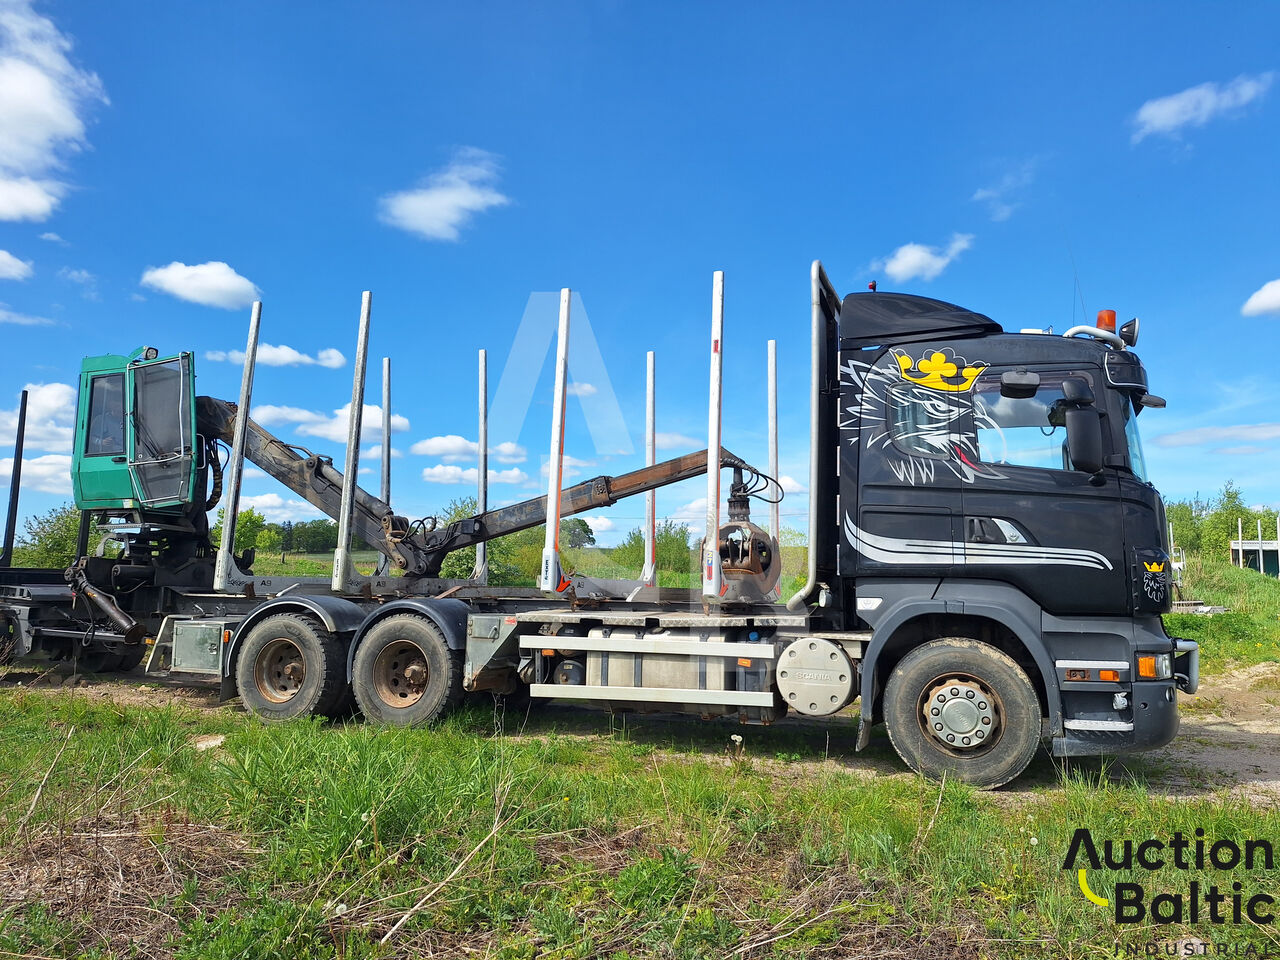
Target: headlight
{"points": [[1155, 666]]}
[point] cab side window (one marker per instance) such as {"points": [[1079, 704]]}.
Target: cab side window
{"points": [[105, 433], [1027, 432]]}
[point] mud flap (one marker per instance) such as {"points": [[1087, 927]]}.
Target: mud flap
{"points": [[865, 713]]}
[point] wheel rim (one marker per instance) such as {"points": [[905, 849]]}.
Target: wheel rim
{"points": [[962, 714], [401, 673], [280, 670]]}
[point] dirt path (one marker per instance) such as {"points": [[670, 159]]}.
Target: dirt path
{"points": [[1229, 741]]}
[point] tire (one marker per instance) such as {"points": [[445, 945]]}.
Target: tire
{"points": [[96, 661], [132, 658], [404, 673], [992, 729], [290, 666]]}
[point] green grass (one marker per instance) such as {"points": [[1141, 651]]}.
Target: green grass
{"points": [[1248, 633], [642, 839]]}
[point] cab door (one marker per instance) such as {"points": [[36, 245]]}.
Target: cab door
{"points": [[161, 435], [101, 474], [1030, 519]]}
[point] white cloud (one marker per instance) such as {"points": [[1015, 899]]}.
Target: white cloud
{"points": [[335, 428], [22, 319], [599, 524], [276, 509], [1244, 451], [1266, 299], [451, 473], [11, 268], [693, 510], [1245, 432], [282, 356], [43, 101], [676, 441], [376, 452], [269, 415], [51, 416], [508, 452], [48, 474], [452, 448], [1196, 106], [212, 284], [1002, 198], [447, 199], [913, 260], [252, 473], [52, 237], [580, 389], [790, 485], [83, 278]]}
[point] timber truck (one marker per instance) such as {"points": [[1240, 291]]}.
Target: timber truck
{"points": [[987, 559]]}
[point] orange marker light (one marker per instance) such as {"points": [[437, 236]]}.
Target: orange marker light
{"points": [[1147, 667], [548, 653], [744, 662], [1107, 320], [1112, 675]]}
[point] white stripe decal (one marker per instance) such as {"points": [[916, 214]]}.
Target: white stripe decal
{"points": [[891, 550]]}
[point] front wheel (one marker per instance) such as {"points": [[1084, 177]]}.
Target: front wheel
{"points": [[963, 709], [404, 673]]}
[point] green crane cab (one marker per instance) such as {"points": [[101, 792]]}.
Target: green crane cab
{"points": [[135, 443]]}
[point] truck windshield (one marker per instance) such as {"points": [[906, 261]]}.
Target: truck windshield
{"points": [[1137, 462]]}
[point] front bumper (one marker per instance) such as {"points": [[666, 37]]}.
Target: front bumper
{"points": [[1154, 724]]}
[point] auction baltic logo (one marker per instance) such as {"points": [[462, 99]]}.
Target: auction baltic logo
{"points": [[1197, 903]]}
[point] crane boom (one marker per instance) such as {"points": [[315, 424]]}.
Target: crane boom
{"points": [[416, 551]]}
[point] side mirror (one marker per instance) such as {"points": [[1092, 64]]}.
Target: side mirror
{"points": [[1084, 438], [1076, 391], [1019, 384]]}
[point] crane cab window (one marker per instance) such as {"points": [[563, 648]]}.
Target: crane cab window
{"points": [[1022, 432], [104, 435]]}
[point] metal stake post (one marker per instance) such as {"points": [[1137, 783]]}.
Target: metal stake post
{"points": [[342, 555], [481, 573], [711, 580], [235, 463], [15, 484], [650, 574], [775, 508], [550, 579], [385, 563]]}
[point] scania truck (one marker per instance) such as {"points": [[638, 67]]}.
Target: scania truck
{"points": [[987, 561]]}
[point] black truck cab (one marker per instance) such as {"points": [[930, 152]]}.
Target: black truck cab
{"points": [[992, 486]]}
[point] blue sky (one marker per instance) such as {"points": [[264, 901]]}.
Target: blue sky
{"points": [[163, 163]]}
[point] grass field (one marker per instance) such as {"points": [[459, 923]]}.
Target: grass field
{"points": [[308, 840], [565, 834]]}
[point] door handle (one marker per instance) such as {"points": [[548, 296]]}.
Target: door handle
{"points": [[119, 459]]}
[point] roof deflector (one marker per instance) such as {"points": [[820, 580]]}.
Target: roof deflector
{"points": [[877, 318]]}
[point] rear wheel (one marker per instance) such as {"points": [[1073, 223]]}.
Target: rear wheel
{"points": [[963, 709], [404, 673], [131, 658], [291, 666], [96, 661]]}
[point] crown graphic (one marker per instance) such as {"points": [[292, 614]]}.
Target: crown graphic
{"points": [[1156, 567], [939, 371]]}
